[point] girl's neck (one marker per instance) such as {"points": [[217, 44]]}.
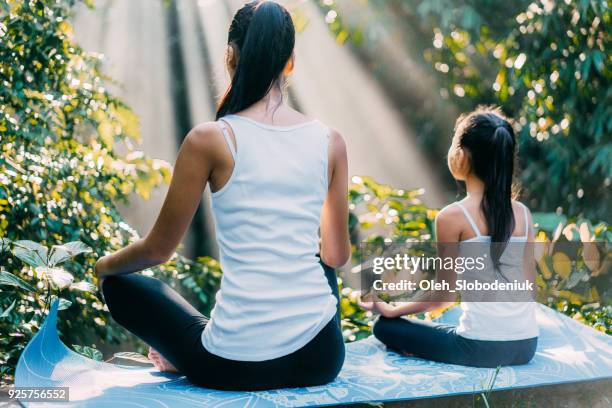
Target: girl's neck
{"points": [[474, 187]]}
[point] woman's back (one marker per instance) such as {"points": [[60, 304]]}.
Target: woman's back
{"points": [[275, 321], [274, 296]]}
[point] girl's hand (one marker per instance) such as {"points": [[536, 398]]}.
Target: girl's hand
{"points": [[386, 309], [369, 305], [378, 306]]}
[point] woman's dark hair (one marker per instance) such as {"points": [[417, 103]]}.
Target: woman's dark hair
{"points": [[263, 35], [489, 140]]}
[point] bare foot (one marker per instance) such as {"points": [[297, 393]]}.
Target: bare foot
{"points": [[160, 362]]}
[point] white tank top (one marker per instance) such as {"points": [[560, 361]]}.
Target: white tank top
{"points": [[498, 321], [274, 297]]}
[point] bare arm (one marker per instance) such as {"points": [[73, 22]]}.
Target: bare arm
{"points": [[529, 265], [192, 171], [335, 244], [447, 236]]}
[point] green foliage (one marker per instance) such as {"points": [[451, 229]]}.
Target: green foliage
{"points": [[546, 63], [48, 279], [380, 214], [67, 157], [88, 352], [575, 279]]}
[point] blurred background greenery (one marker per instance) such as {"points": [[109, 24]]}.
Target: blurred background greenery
{"points": [[547, 63], [71, 169]]}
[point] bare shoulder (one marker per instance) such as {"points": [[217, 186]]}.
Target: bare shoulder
{"points": [[336, 141], [449, 214], [449, 223], [337, 155], [205, 138], [337, 148]]}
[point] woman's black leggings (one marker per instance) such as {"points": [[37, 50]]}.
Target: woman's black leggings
{"points": [[167, 322], [440, 342]]}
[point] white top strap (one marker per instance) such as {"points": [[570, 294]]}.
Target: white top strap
{"points": [[526, 215], [470, 219], [228, 138]]}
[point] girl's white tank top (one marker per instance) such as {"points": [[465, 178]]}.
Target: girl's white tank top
{"points": [[274, 297], [498, 321]]}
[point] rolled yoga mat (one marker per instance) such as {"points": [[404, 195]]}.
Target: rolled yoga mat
{"points": [[568, 351]]}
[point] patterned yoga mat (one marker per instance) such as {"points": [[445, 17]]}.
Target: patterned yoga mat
{"points": [[568, 351]]}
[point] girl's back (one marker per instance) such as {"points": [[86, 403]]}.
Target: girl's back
{"points": [[510, 319]]}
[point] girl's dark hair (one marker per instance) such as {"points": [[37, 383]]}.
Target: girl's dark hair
{"points": [[264, 37], [489, 140]]}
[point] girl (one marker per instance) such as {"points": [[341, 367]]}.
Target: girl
{"points": [[489, 334], [276, 178]]}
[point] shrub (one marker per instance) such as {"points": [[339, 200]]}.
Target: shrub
{"points": [[67, 158], [544, 62]]}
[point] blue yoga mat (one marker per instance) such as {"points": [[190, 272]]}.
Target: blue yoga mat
{"points": [[568, 351]]}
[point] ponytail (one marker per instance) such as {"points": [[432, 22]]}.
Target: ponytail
{"points": [[490, 140], [264, 36], [497, 200]]}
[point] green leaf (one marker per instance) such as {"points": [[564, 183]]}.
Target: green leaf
{"points": [[7, 278], [58, 277], [84, 286], [31, 253], [548, 221], [137, 357], [5, 6], [61, 253], [575, 278], [5, 245], [6, 311], [88, 352], [64, 304], [598, 59]]}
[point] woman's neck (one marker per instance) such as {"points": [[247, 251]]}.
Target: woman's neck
{"points": [[474, 187], [268, 105]]}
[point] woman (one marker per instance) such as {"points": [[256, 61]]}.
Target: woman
{"points": [[494, 333], [276, 177]]}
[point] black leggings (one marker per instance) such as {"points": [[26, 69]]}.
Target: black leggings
{"points": [[167, 322], [440, 342]]}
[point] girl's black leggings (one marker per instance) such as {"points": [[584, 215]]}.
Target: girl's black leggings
{"points": [[440, 342], [163, 319]]}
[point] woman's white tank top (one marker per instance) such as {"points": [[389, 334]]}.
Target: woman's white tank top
{"points": [[498, 321], [274, 297]]}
